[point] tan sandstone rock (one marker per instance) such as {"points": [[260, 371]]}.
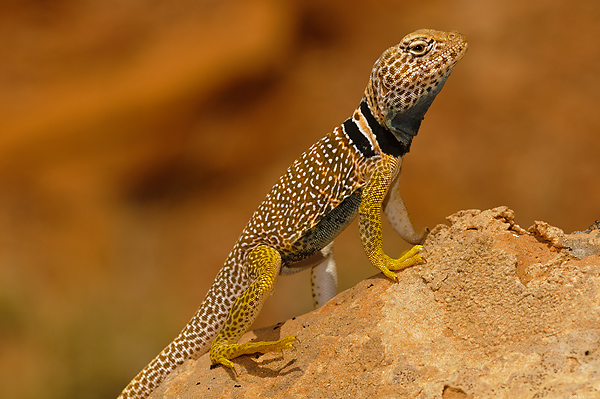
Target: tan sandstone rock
{"points": [[495, 312]]}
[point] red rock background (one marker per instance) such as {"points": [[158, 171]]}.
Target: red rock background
{"points": [[136, 139]]}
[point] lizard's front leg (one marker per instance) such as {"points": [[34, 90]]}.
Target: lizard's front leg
{"points": [[369, 221], [265, 263], [397, 214]]}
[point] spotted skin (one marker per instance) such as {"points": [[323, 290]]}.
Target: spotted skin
{"points": [[353, 170]]}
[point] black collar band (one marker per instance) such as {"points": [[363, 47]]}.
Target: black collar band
{"points": [[388, 143]]}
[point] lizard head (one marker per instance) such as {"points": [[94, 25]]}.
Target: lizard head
{"points": [[407, 77]]}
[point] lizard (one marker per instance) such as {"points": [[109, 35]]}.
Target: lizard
{"points": [[351, 172]]}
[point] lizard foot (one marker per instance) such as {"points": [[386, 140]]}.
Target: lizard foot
{"points": [[407, 259], [221, 354]]}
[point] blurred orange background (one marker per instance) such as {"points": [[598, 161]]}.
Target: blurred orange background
{"points": [[137, 138]]}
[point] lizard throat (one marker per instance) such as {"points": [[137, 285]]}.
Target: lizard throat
{"points": [[405, 124]]}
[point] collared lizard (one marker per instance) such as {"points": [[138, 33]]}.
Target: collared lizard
{"points": [[353, 170]]}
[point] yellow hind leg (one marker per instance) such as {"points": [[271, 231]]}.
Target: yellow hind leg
{"points": [[264, 263]]}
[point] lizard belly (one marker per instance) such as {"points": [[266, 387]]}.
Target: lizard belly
{"points": [[322, 233]]}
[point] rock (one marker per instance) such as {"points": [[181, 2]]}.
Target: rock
{"points": [[495, 311]]}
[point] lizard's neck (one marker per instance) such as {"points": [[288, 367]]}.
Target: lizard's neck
{"points": [[390, 143]]}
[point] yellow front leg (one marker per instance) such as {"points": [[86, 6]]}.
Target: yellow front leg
{"points": [[264, 263], [369, 221]]}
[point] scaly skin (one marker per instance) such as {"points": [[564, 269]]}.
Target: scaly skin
{"points": [[353, 170]]}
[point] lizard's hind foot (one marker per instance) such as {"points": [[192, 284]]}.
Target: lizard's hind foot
{"points": [[223, 353]]}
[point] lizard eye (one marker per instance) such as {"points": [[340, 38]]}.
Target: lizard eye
{"points": [[418, 47]]}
